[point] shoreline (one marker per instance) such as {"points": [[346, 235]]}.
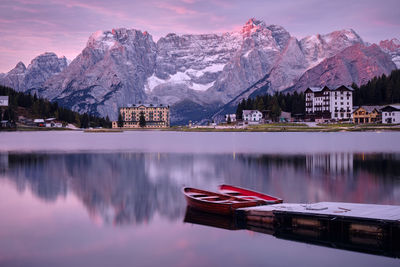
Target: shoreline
{"points": [[290, 127]]}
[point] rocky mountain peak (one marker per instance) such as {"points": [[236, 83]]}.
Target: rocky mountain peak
{"points": [[343, 36], [252, 25], [19, 68], [390, 45], [197, 73]]}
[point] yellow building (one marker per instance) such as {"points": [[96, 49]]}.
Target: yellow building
{"points": [[156, 116], [367, 114]]}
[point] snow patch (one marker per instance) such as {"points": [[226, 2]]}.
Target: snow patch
{"points": [[201, 87], [212, 69], [152, 82], [396, 61], [177, 78], [246, 55]]}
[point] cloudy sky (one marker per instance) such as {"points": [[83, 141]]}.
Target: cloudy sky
{"points": [[31, 27]]}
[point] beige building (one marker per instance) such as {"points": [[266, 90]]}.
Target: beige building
{"points": [[156, 116], [367, 114]]}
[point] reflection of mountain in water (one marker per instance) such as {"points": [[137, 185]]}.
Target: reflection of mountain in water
{"points": [[114, 186], [128, 188]]}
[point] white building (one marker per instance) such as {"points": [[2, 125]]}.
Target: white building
{"points": [[231, 116], [252, 116], [391, 114], [3, 101], [329, 103]]}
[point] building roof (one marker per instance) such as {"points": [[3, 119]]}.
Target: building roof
{"points": [[146, 105], [286, 115], [395, 107], [3, 97], [368, 109], [250, 111], [330, 88]]}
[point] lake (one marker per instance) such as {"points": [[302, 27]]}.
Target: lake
{"points": [[114, 199]]}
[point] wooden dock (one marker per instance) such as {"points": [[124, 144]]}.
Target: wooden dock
{"points": [[362, 227]]}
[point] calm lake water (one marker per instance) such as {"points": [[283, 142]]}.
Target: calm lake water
{"points": [[114, 199]]}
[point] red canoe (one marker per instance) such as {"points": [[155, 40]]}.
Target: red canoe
{"points": [[247, 194], [215, 203]]}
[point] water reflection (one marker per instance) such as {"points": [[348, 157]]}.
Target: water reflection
{"points": [[130, 188], [337, 235]]}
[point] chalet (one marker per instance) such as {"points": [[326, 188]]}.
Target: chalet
{"points": [[367, 114], [391, 114], [156, 116], [252, 116], [232, 117], [285, 117], [329, 103], [3, 101], [39, 122]]}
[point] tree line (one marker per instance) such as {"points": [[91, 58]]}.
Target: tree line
{"points": [[378, 91], [273, 104], [42, 108]]}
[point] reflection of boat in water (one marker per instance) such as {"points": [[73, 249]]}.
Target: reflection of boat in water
{"points": [[214, 202], [209, 219], [247, 194], [342, 237]]}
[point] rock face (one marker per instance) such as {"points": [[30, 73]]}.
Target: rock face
{"points": [[110, 72], [358, 64], [392, 47], [199, 74], [38, 72]]}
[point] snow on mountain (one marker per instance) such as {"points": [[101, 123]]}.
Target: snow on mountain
{"points": [[392, 47], [318, 47], [110, 72], [357, 63], [198, 74]]}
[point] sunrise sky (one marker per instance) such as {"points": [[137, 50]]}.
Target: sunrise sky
{"points": [[31, 27]]}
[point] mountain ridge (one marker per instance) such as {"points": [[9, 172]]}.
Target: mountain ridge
{"points": [[123, 66]]}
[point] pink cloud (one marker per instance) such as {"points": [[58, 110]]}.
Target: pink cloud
{"points": [[181, 10]]}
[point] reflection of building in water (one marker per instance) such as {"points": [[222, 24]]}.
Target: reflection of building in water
{"points": [[336, 163], [3, 161]]}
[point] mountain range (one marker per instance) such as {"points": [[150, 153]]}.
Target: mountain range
{"points": [[200, 75]]}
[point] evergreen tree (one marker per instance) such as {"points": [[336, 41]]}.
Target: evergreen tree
{"points": [[239, 110], [142, 120], [260, 104], [229, 121], [275, 110], [120, 121]]}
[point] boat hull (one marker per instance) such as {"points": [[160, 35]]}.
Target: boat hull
{"points": [[248, 194], [213, 202]]}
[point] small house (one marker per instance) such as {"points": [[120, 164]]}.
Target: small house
{"points": [[367, 114], [391, 114], [3, 100], [285, 117], [231, 117], [39, 122], [252, 116]]}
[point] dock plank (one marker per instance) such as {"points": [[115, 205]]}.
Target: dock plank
{"points": [[342, 209]]}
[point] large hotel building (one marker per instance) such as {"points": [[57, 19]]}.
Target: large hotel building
{"points": [[329, 103], [156, 116]]}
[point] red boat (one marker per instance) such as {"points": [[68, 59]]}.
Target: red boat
{"points": [[215, 203], [247, 194]]}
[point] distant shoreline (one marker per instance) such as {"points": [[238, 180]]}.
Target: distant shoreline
{"points": [[254, 128]]}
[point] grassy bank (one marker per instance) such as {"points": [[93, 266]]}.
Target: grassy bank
{"points": [[292, 128]]}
